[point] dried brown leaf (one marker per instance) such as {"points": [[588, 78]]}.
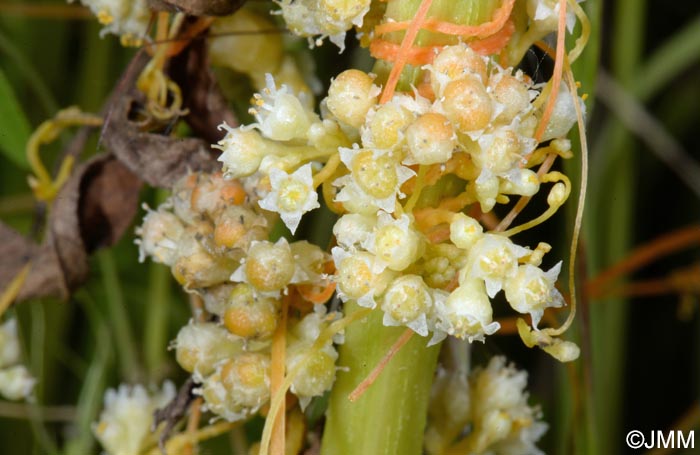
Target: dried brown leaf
{"points": [[93, 209]]}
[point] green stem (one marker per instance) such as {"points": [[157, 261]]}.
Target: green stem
{"points": [[155, 331], [389, 418], [116, 307], [94, 383], [608, 235]]}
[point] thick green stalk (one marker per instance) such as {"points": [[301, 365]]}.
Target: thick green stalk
{"points": [[390, 417]]}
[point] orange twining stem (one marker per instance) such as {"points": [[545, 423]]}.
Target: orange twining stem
{"points": [[416, 55], [494, 43], [436, 25], [643, 255], [558, 70], [374, 374], [277, 367], [422, 55], [402, 55]]}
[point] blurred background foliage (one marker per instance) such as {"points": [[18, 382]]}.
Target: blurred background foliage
{"points": [[640, 364]]}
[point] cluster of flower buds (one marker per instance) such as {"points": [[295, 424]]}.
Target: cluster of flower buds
{"points": [[480, 128], [213, 235], [16, 382], [125, 423], [492, 402]]}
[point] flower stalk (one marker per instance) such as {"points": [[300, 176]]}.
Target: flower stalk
{"points": [[389, 418]]}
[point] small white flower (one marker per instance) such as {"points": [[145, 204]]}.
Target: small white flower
{"points": [[394, 241], [467, 312], [503, 420], [291, 196], [375, 176], [242, 151], [493, 259], [280, 115], [531, 290], [408, 302], [359, 276], [125, 423], [16, 383]]}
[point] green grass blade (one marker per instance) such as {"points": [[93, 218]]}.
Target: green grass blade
{"points": [[14, 126]]}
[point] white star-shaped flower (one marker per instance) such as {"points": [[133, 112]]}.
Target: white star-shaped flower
{"points": [[291, 196]]}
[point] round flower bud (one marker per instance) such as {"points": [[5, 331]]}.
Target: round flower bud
{"points": [[212, 193], [250, 316], [523, 182], [359, 277], [431, 139], [200, 346], [270, 266], [318, 372], [512, 93], [386, 126], [563, 351], [197, 268], [465, 231], [239, 386], [454, 62], [467, 104], [407, 300], [376, 176], [355, 277], [557, 195], [351, 95], [237, 226], [396, 242]]}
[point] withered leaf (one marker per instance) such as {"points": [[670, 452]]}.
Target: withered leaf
{"points": [[206, 104], [172, 412], [157, 159], [93, 209]]}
